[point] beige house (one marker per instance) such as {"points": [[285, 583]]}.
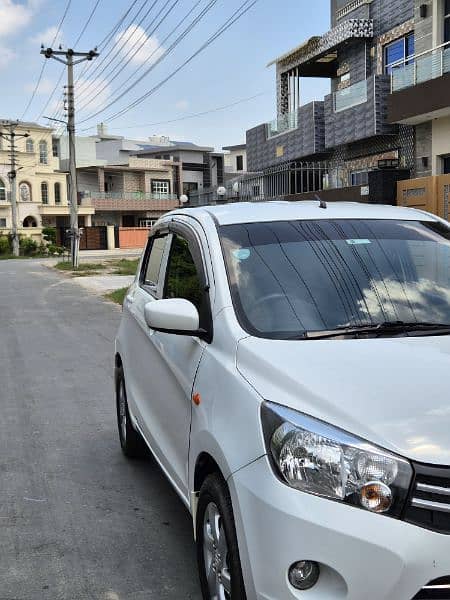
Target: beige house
{"points": [[41, 186]]}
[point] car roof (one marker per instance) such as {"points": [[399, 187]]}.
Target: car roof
{"points": [[278, 210]]}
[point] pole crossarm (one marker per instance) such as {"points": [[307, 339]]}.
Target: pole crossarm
{"points": [[69, 62]]}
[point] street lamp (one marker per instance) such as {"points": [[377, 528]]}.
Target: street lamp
{"points": [[183, 199], [221, 191]]}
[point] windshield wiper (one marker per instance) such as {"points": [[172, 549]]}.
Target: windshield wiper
{"points": [[379, 329]]}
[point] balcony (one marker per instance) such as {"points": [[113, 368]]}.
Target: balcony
{"points": [[132, 201], [282, 123], [419, 89], [350, 96], [85, 207], [357, 112], [317, 57], [289, 137]]}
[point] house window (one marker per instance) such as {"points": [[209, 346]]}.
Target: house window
{"points": [[146, 222], [445, 164], [55, 148], [2, 222], [359, 178], [57, 193], [25, 192], [160, 187], [399, 53], [44, 193], [189, 186], [43, 152], [30, 145], [447, 21], [2, 191], [239, 163]]}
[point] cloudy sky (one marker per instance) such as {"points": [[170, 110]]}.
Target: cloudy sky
{"points": [[231, 69]]}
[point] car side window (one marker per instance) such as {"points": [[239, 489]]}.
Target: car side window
{"points": [[182, 277], [152, 263]]}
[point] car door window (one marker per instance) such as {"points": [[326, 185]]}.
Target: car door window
{"points": [[182, 277], [152, 264]]}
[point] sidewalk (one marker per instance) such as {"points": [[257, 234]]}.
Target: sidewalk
{"points": [[102, 284]]}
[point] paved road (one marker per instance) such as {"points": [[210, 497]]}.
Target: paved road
{"points": [[77, 520]]}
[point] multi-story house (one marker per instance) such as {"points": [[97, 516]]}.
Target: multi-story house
{"points": [[421, 87], [235, 160], [41, 186], [345, 139]]}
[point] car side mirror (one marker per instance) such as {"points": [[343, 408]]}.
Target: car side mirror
{"points": [[173, 315]]}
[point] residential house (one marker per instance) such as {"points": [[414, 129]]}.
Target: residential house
{"points": [[235, 160], [344, 140], [41, 185]]}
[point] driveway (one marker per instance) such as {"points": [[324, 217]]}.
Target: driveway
{"points": [[77, 520]]}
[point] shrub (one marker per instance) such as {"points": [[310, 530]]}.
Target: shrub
{"points": [[49, 235], [28, 246], [5, 245]]}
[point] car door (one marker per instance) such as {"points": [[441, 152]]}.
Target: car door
{"points": [[172, 360], [139, 367]]}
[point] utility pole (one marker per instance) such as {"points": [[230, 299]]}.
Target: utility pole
{"points": [[11, 126], [69, 61]]}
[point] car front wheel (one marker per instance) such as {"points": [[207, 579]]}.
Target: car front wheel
{"points": [[217, 547]]}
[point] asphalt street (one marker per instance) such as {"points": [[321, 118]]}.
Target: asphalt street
{"points": [[77, 520]]}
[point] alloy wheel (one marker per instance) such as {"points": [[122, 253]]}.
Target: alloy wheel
{"points": [[215, 553], [122, 411]]}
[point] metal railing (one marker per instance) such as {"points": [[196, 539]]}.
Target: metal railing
{"points": [[421, 67], [274, 183], [129, 196], [350, 96], [282, 123]]}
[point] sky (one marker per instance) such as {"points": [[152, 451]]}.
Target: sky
{"points": [[231, 69]]}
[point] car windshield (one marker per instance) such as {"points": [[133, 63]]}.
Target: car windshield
{"points": [[288, 278]]}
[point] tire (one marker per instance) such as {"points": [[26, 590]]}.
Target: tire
{"points": [[218, 558], [131, 442]]}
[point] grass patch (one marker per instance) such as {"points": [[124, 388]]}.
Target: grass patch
{"points": [[124, 266], [117, 296], [87, 268]]}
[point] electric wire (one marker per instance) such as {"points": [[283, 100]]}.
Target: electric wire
{"points": [[190, 116], [238, 14], [136, 46], [148, 59], [38, 83], [103, 44]]}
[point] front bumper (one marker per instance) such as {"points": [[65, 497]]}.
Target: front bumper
{"points": [[361, 554]]}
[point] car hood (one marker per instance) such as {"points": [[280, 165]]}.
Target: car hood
{"points": [[390, 391]]}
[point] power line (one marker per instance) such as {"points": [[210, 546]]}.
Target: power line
{"points": [[38, 83], [239, 13], [122, 47], [184, 18], [191, 116], [106, 40], [174, 44]]}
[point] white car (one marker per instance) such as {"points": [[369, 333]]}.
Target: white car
{"points": [[288, 366]]}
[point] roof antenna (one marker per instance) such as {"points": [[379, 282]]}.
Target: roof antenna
{"points": [[322, 203]]}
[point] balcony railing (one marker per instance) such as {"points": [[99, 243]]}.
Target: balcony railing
{"points": [[421, 67], [129, 196], [350, 96], [282, 124]]}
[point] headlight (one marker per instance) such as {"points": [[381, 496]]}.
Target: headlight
{"points": [[320, 459]]}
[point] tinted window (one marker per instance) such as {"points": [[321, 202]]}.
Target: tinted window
{"points": [[182, 278], [291, 277], [153, 265]]}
